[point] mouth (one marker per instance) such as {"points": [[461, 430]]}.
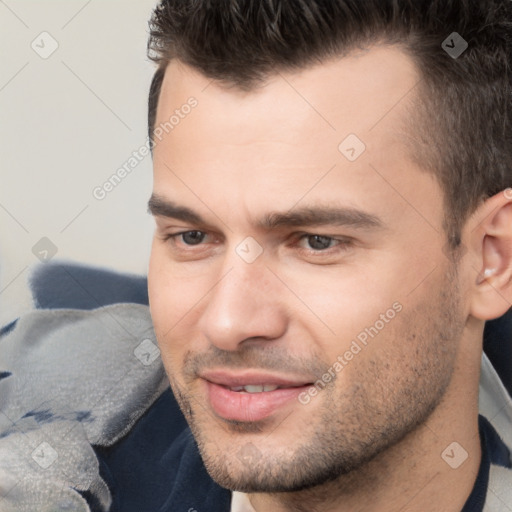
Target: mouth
{"points": [[250, 397]]}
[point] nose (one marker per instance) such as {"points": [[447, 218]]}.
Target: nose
{"points": [[244, 305]]}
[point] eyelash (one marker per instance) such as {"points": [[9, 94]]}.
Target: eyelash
{"points": [[342, 244]]}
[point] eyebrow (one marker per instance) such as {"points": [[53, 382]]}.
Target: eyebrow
{"points": [[158, 206], [315, 216], [306, 216]]}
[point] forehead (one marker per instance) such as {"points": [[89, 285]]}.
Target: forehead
{"points": [[284, 137], [350, 94]]}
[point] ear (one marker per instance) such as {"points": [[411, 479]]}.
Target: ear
{"points": [[490, 238]]}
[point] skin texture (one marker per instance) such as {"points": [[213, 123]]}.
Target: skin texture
{"points": [[372, 439]]}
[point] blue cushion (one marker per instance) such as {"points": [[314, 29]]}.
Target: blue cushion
{"points": [[57, 285]]}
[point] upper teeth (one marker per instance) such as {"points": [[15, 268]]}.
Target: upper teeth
{"points": [[255, 389]]}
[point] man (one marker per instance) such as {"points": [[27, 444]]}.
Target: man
{"points": [[344, 168], [333, 229]]}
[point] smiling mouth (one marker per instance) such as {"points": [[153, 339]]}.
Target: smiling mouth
{"points": [[252, 402], [252, 395]]}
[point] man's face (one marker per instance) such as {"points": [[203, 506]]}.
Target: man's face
{"points": [[287, 254]]}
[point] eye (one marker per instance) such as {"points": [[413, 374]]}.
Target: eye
{"points": [[191, 245], [319, 242], [191, 237]]}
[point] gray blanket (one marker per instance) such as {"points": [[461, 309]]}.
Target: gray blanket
{"points": [[71, 379]]}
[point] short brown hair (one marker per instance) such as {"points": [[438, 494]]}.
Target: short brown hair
{"points": [[462, 128]]}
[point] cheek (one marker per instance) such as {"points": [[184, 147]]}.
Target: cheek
{"points": [[169, 294], [163, 299], [175, 305], [342, 302]]}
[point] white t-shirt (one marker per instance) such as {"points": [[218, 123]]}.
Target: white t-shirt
{"points": [[240, 503]]}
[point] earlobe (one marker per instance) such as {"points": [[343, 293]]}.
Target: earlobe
{"points": [[492, 292]]}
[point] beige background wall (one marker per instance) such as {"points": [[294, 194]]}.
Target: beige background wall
{"points": [[74, 79]]}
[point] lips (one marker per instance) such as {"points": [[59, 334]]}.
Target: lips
{"points": [[252, 378], [250, 396]]}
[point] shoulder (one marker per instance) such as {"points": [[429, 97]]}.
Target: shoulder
{"points": [[495, 404]]}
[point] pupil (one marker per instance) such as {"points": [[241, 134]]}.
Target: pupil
{"points": [[319, 242], [193, 237]]}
